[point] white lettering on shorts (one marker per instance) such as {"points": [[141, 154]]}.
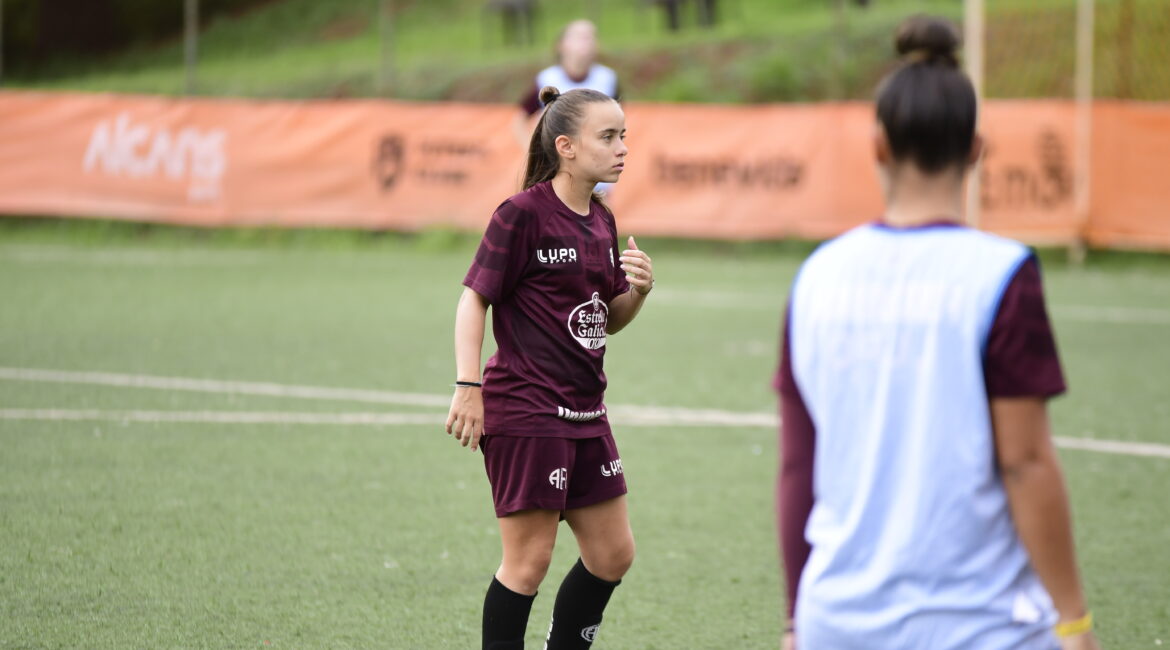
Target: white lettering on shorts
{"points": [[558, 478], [590, 633], [613, 468]]}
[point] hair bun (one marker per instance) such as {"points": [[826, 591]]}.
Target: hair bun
{"points": [[928, 39], [549, 94]]}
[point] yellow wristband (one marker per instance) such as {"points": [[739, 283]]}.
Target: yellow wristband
{"points": [[1075, 628]]}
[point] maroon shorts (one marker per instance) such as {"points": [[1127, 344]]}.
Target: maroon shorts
{"points": [[540, 473]]}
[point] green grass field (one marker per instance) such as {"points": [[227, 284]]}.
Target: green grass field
{"points": [[122, 529]]}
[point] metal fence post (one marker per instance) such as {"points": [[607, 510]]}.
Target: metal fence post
{"points": [[973, 43], [1084, 141], [190, 42], [386, 67], [1, 42]]}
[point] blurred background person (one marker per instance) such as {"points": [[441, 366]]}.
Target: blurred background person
{"points": [[576, 67], [922, 504]]}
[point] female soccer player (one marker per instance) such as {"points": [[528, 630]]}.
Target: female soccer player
{"points": [[921, 503], [549, 267]]}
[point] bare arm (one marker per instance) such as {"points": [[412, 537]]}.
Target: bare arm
{"points": [[623, 309], [640, 274], [1039, 503], [465, 419]]}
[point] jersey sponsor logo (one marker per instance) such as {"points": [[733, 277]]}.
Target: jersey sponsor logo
{"points": [[590, 633], [613, 468], [556, 255], [558, 478], [578, 416], [587, 322]]}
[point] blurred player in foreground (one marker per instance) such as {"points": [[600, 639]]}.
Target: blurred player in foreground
{"points": [[549, 267], [921, 502]]}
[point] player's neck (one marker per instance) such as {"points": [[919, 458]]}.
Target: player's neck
{"points": [[573, 192], [915, 199]]}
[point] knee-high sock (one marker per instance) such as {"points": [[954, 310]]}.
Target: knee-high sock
{"points": [[505, 615], [577, 612]]}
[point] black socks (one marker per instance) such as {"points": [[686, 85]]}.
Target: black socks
{"points": [[577, 612], [505, 615]]}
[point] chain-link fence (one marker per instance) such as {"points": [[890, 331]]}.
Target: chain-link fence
{"points": [[663, 50], [1031, 49]]}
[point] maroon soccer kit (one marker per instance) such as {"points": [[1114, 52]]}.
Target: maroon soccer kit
{"points": [[549, 275]]}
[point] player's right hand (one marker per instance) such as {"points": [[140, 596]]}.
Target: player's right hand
{"points": [[465, 419]]}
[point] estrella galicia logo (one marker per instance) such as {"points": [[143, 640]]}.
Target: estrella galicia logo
{"points": [[587, 322], [389, 157]]}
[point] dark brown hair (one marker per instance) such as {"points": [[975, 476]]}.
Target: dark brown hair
{"points": [[562, 116], [927, 105]]}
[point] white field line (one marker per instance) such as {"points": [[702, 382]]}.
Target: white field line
{"points": [[226, 387], [759, 420], [670, 416], [223, 417], [1123, 315], [49, 254], [622, 415], [1114, 446], [773, 303], [666, 416], [348, 419]]}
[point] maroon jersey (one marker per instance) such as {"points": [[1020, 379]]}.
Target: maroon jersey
{"points": [[549, 274]]}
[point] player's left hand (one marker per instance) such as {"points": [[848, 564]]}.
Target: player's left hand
{"points": [[636, 265]]}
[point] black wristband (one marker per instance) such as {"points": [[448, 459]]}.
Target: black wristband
{"points": [[468, 384]]}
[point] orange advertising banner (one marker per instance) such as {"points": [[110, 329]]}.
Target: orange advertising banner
{"points": [[730, 172], [1130, 199]]}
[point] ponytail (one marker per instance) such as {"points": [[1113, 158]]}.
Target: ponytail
{"points": [[543, 161], [562, 116]]}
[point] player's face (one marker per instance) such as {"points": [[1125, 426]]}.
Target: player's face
{"points": [[601, 142], [578, 47]]}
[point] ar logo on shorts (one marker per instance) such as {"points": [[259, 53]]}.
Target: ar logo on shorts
{"points": [[558, 478]]}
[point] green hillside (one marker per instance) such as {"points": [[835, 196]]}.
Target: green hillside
{"points": [[760, 50]]}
